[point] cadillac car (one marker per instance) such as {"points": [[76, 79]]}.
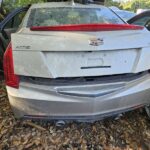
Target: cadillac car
{"points": [[70, 61]]}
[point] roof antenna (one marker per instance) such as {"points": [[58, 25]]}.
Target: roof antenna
{"points": [[72, 2]]}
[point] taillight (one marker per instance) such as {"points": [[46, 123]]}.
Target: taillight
{"points": [[87, 27], [11, 79]]}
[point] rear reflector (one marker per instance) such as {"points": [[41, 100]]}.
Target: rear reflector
{"points": [[87, 27], [11, 79]]}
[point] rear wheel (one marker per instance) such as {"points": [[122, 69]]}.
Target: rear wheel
{"points": [[147, 108]]}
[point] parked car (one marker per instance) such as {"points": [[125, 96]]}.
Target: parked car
{"points": [[125, 15], [142, 19], [76, 62], [9, 25], [141, 10]]}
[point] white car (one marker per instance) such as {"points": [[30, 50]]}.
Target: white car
{"points": [[76, 62]]}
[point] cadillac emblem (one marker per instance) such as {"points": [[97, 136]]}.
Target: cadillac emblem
{"points": [[96, 41]]}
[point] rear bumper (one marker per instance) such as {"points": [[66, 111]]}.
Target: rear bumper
{"points": [[53, 102]]}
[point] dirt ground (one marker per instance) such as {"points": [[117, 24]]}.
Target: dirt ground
{"points": [[131, 131]]}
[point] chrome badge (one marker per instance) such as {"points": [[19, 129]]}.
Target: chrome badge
{"points": [[96, 41]]}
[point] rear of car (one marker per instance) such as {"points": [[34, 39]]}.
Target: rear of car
{"points": [[78, 62]]}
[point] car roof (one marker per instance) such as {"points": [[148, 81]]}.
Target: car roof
{"points": [[65, 4]]}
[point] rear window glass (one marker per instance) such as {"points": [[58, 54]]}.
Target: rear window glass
{"points": [[64, 15]]}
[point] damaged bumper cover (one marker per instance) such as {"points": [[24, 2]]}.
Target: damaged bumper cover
{"points": [[84, 102]]}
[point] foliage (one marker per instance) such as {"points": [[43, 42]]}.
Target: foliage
{"points": [[19, 3], [135, 4], [131, 5], [8, 6], [112, 3]]}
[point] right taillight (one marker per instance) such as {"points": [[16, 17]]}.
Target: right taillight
{"points": [[11, 79]]}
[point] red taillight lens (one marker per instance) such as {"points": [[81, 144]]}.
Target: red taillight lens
{"points": [[88, 27], [11, 79]]}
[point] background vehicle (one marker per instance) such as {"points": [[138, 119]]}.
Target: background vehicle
{"points": [[9, 25], [142, 19], [141, 10], [126, 15], [76, 62]]}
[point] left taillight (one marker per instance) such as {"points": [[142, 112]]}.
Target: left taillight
{"points": [[11, 79]]}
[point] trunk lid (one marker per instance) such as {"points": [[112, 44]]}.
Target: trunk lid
{"points": [[74, 54], [78, 41]]}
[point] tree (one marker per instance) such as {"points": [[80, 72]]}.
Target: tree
{"points": [[135, 4], [18, 3], [109, 3]]}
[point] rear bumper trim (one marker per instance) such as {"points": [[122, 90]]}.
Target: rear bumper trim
{"points": [[91, 118]]}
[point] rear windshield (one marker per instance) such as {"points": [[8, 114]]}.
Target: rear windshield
{"points": [[69, 16]]}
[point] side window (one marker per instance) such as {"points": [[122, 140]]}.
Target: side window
{"points": [[142, 21], [18, 19], [15, 21]]}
